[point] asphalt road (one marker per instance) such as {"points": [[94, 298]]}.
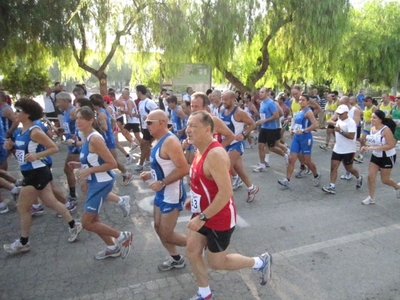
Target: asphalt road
{"points": [[324, 246]]}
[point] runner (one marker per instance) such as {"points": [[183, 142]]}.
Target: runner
{"points": [[330, 109], [168, 167], [96, 163], [240, 123], [369, 109], [303, 124], [214, 214], [381, 142], [344, 149], [32, 146]]}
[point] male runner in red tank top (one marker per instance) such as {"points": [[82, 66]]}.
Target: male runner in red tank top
{"points": [[213, 208]]}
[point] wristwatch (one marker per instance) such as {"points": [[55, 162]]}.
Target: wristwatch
{"points": [[203, 217], [163, 184]]}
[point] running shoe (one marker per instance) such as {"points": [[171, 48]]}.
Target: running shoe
{"points": [[16, 247], [359, 159], [125, 205], [71, 208], [301, 173], [199, 297], [133, 147], [316, 180], [171, 263], [251, 194], [72, 198], [74, 232], [346, 176], [146, 164], [126, 179], [236, 183], [18, 182], [138, 168], [324, 147], [106, 253], [128, 159], [398, 193], [126, 243], [15, 192], [359, 182], [36, 211], [329, 189], [265, 269], [266, 164], [368, 201], [260, 168], [4, 209], [284, 182]]}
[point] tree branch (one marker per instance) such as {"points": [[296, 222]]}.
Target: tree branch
{"points": [[234, 80], [264, 58]]}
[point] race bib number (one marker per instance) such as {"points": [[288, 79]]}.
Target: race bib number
{"points": [[66, 128], [20, 155], [297, 127], [195, 202], [175, 126], [153, 175], [386, 112], [262, 116], [367, 125]]}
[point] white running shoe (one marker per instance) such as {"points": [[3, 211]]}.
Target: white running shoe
{"points": [[16, 247], [346, 176], [260, 168], [316, 180], [74, 232], [368, 201], [125, 205], [284, 182]]}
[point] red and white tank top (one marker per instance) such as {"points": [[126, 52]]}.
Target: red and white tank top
{"points": [[203, 192]]}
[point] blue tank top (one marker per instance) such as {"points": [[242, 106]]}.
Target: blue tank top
{"points": [[177, 123], [68, 123], [108, 134], [5, 122], [89, 159], [302, 122], [24, 145], [231, 123], [39, 123], [160, 168]]}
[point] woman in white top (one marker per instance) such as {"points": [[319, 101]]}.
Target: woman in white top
{"points": [[382, 144]]}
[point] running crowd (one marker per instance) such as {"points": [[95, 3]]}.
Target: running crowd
{"points": [[180, 138]]}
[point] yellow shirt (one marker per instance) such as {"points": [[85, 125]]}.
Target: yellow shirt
{"points": [[386, 109], [330, 109], [367, 118]]}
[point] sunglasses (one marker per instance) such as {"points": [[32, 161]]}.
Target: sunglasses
{"points": [[150, 122], [340, 114]]}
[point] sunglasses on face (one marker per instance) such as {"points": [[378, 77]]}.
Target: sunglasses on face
{"points": [[150, 122]]}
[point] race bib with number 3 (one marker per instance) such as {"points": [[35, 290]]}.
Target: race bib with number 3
{"points": [[195, 202]]}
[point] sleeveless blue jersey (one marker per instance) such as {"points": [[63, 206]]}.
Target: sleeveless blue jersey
{"points": [[24, 145], [231, 123], [177, 123], [160, 168], [68, 123], [302, 122], [5, 122], [89, 159], [108, 134]]}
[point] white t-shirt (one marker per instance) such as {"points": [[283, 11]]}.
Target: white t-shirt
{"points": [[344, 145], [132, 120], [145, 107], [48, 104], [186, 97]]}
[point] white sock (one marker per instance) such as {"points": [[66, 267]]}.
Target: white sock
{"points": [[68, 204], [332, 185], [257, 263], [204, 291], [112, 247], [266, 159], [121, 237], [235, 177], [250, 187], [120, 201], [36, 205]]}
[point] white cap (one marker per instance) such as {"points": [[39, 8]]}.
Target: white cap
{"points": [[342, 109]]}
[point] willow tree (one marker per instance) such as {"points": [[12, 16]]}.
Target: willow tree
{"points": [[106, 28], [240, 38], [370, 51]]}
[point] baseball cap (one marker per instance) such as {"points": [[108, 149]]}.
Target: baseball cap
{"points": [[342, 109], [107, 99]]}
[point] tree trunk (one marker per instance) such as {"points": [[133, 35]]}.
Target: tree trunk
{"points": [[102, 77]]}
